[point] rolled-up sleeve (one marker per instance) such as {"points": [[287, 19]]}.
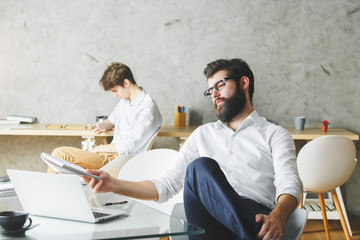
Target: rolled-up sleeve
{"points": [[287, 180], [172, 181]]}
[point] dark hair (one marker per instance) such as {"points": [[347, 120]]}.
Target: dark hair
{"points": [[236, 68], [115, 74]]}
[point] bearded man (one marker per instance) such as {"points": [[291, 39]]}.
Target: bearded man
{"points": [[239, 174]]}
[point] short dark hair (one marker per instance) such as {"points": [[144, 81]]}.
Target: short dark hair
{"points": [[115, 74], [236, 68]]}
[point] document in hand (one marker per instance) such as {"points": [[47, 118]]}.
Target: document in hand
{"points": [[62, 166]]}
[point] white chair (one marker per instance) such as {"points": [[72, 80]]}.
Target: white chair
{"points": [[149, 165], [295, 224], [325, 164], [115, 165], [293, 228]]}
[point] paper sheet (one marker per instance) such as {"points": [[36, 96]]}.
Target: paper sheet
{"points": [[7, 127]]}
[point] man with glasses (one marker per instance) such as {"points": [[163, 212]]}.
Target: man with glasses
{"points": [[241, 179]]}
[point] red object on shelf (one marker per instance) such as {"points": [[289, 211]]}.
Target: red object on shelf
{"points": [[324, 128]]}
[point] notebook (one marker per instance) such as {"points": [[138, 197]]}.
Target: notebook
{"points": [[62, 166], [6, 188], [57, 196]]}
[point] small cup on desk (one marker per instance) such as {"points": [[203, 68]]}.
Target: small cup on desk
{"points": [[179, 119], [300, 122], [180, 116], [14, 220]]}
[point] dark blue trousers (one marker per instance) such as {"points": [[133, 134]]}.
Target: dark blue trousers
{"points": [[212, 204]]}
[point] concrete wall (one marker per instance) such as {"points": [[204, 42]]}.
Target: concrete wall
{"points": [[305, 56]]}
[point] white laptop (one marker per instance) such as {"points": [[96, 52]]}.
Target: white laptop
{"points": [[58, 196]]}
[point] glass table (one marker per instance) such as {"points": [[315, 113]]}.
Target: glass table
{"points": [[140, 222]]}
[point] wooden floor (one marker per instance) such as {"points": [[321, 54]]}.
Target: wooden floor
{"points": [[314, 230]]}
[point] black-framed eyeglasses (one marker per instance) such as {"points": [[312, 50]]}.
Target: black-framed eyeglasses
{"points": [[218, 86]]}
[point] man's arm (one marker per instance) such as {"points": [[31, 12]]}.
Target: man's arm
{"points": [[105, 125], [145, 122], [142, 190], [273, 223]]}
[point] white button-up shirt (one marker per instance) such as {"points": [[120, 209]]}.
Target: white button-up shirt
{"points": [[258, 160], [135, 123]]}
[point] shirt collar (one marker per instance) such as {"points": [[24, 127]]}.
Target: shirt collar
{"points": [[252, 118], [139, 98]]}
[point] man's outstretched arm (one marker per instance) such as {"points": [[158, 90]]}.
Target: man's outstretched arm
{"points": [[142, 190]]}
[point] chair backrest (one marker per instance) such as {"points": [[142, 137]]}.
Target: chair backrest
{"points": [[151, 141], [149, 165], [115, 165], [326, 163], [295, 224]]}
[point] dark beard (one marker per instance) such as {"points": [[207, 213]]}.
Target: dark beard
{"points": [[232, 106]]}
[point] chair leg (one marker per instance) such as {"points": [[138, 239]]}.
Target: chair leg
{"points": [[342, 205], [341, 215], [323, 211], [303, 198]]}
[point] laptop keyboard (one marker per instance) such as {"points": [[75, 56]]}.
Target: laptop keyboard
{"points": [[100, 214]]}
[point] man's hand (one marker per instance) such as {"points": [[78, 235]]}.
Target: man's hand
{"points": [[97, 128], [106, 184], [272, 224], [271, 227]]}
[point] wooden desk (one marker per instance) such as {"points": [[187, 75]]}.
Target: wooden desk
{"points": [[41, 130], [171, 131], [165, 131], [312, 133], [306, 134]]}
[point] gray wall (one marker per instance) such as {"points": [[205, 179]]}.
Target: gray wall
{"points": [[305, 56]]}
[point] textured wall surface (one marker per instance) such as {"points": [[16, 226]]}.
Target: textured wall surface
{"points": [[305, 56]]}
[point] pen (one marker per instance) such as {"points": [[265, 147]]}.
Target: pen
{"points": [[113, 203]]}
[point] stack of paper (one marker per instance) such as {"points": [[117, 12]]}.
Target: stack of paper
{"points": [[8, 122], [25, 119]]}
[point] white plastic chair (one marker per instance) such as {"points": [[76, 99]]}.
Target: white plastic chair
{"points": [[293, 228], [149, 165], [115, 165], [324, 164], [295, 224]]}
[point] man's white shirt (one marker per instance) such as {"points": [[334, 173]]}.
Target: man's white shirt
{"points": [[135, 123], [258, 160]]}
